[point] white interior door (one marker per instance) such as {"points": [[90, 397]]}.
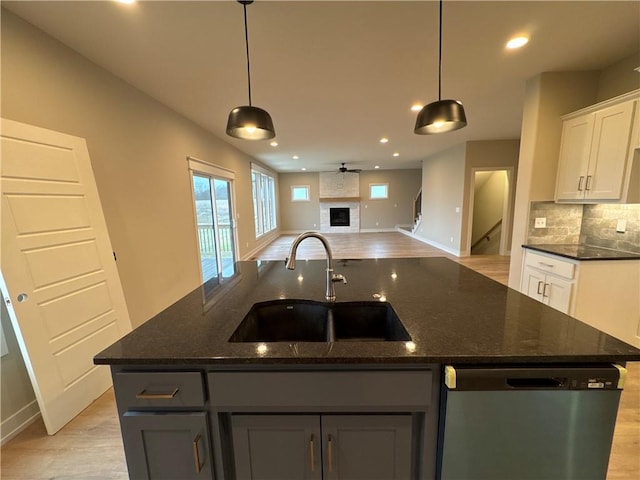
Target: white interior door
{"points": [[64, 293]]}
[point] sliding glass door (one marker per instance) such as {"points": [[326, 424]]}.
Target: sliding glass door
{"points": [[214, 220]]}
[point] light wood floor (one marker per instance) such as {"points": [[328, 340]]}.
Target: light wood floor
{"points": [[90, 446]]}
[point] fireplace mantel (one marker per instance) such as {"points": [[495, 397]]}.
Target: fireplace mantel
{"points": [[339, 199]]}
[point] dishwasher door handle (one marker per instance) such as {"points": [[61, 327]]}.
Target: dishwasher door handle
{"points": [[541, 382]]}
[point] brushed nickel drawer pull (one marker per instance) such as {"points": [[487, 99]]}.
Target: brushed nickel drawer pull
{"points": [[544, 290], [540, 283], [548, 265], [588, 184], [330, 455], [196, 454], [580, 183], [312, 453], [143, 395]]}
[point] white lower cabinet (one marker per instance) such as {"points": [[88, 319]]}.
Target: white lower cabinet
{"points": [[327, 447], [602, 293], [548, 280]]}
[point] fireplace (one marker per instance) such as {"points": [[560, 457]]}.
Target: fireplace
{"points": [[339, 217]]}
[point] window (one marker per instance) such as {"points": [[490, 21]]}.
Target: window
{"points": [[213, 197], [378, 190], [300, 193], [264, 200]]}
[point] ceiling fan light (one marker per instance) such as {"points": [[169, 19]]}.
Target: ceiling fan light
{"points": [[440, 117], [250, 123]]}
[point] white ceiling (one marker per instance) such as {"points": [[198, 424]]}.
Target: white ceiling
{"points": [[336, 76]]}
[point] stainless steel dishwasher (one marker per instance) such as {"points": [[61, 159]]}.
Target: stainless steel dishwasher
{"points": [[524, 422]]}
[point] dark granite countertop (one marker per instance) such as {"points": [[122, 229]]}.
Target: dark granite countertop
{"points": [[584, 252], [452, 313]]}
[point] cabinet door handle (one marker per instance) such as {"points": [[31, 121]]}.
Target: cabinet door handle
{"points": [[196, 454], [544, 290], [312, 453], [548, 265], [540, 283], [330, 453], [580, 179], [143, 395], [587, 185]]}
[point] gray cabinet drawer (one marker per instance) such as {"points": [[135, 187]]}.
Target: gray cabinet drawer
{"points": [[380, 391], [159, 389]]}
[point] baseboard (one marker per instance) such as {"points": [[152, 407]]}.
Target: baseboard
{"points": [[264, 241], [439, 246], [377, 230], [20, 420]]}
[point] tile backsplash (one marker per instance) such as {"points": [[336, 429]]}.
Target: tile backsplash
{"points": [[588, 224], [599, 226]]}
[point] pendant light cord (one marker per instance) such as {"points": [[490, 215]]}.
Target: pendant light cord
{"points": [[439, 55], [246, 42]]}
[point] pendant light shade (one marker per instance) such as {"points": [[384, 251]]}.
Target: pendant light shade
{"points": [[444, 115], [248, 122], [440, 117]]}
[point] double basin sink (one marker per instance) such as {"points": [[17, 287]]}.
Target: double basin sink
{"points": [[312, 321]]}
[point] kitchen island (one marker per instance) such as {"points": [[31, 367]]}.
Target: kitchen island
{"points": [[191, 401]]}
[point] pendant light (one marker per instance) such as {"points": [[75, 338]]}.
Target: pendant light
{"points": [[444, 115], [248, 122]]}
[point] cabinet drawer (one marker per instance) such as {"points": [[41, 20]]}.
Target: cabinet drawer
{"points": [[550, 264], [159, 389], [321, 391]]}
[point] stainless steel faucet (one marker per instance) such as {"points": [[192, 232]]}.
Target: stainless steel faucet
{"points": [[330, 294]]}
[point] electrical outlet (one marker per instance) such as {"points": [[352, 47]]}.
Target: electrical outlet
{"points": [[541, 222], [621, 226]]}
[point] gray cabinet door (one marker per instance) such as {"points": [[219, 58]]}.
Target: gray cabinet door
{"points": [[366, 447], [328, 447], [167, 446], [277, 447]]}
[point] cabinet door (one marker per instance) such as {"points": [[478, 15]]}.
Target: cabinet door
{"points": [[574, 157], [609, 152], [532, 283], [557, 293], [167, 445], [366, 447], [277, 447]]}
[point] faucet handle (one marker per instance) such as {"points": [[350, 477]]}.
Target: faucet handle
{"points": [[338, 277]]}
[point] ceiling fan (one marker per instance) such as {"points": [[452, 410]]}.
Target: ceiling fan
{"points": [[344, 169]]}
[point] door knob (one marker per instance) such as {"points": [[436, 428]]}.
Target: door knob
{"points": [[22, 297]]}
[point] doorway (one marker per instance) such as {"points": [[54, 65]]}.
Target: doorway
{"points": [[490, 212]]}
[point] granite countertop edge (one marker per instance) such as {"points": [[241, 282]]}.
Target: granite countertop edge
{"points": [[583, 252]]}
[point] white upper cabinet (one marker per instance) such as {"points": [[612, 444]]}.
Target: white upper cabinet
{"points": [[599, 153]]}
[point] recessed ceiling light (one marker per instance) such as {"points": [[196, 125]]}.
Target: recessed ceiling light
{"points": [[396, 154], [295, 157], [303, 169], [517, 42], [274, 144], [377, 166], [416, 107], [126, 1], [384, 140]]}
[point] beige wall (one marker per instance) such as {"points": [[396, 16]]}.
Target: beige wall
{"points": [[138, 150], [397, 210], [488, 155], [296, 217], [619, 78], [17, 400], [404, 186], [443, 178]]}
